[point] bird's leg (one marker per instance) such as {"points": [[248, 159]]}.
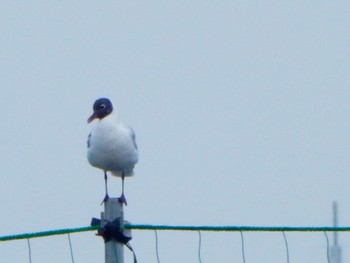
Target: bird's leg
{"points": [[106, 196], [122, 199]]}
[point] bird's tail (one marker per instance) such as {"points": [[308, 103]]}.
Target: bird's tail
{"points": [[127, 173]]}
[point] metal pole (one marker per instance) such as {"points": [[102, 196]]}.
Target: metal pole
{"points": [[114, 252], [335, 250]]}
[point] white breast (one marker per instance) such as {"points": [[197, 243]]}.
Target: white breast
{"points": [[112, 147]]}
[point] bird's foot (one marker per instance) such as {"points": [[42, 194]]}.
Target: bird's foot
{"points": [[122, 200], [105, 199]]}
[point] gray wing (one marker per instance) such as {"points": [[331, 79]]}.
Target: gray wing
{"points": [[133, 137], [88, 140]]}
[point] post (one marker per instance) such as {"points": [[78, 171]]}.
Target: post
{"points": [[335, 250], [114, 252]]}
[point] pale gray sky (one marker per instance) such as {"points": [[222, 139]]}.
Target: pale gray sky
{"points": [[241, 111]]}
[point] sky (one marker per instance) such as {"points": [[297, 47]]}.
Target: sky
{"points": [[241, 113]]}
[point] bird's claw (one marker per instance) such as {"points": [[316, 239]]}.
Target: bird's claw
{"points": [[105, 199], [122, 200]]}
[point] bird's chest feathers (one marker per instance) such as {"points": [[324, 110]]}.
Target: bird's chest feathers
{"points": [[106, 136]]}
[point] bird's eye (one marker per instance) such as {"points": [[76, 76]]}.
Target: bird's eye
{"points": [[102, 106]]}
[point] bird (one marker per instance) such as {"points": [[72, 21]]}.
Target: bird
{"points": [[111, 145]]}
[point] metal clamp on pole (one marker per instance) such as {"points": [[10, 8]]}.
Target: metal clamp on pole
{"points": [[113, 232]]}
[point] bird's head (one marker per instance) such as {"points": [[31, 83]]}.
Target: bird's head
{"points": [[102, 108]]}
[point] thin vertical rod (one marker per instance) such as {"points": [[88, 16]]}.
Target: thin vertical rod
{"points": [[30, 251], [335, 223], [71, 248], [157, 254], [335, 249], [327, 242], [242, 242], [286, 243], [199, 246]]}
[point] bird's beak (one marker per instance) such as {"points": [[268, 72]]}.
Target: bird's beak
{"points": [[92, 117]]}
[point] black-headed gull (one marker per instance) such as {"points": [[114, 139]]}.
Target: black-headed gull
{"points": [[111, 144]]}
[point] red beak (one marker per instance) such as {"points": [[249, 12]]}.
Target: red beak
{"points": [[92, 117]]}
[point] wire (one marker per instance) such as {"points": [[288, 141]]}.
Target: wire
{"points": [[49, 233], [327, 240], [179, 228], [30, 251], [237, 228], [286, 243], [71, 248], [132, 250], [155, 232], [282, 229], [242, 242], [199, 246]]}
